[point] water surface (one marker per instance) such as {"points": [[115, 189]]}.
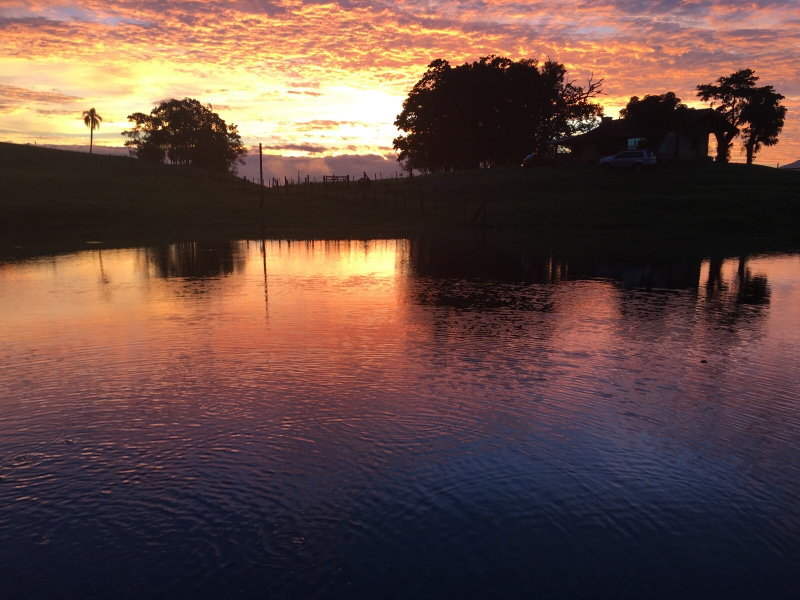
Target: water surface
{"points": [[397, 419]]}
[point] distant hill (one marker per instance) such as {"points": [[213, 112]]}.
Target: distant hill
{"points": [[794, 165]]}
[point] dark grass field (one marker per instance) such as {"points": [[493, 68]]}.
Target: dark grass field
{"points": [[51, 197], [52, 194]]}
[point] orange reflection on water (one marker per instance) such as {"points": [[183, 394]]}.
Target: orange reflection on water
{"points": [[315, 339]]}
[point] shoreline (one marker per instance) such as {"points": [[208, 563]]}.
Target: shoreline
{"points": [[58, 199]]}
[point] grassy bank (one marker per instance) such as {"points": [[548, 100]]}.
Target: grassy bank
{"points": [[49, 196]]}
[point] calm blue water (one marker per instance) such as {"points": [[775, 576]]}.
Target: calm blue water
{"points": [[397, 419]]}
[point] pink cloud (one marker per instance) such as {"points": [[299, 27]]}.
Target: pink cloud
{"points": [[308, 47]]}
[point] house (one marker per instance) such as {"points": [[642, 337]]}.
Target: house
{"points": [[688, 143]]}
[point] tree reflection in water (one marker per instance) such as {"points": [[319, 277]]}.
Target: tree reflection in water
{"points": [[196, 260], [739, 297], [450, 263]]}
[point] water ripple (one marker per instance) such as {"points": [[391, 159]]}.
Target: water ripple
{"points": [[359, 428]]}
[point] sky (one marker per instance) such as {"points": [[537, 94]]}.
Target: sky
{"points": [[319, 83]]}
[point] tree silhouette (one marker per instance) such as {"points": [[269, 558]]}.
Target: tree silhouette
{"points": [[92, 120], [656, 116], [763, 117], [490, 112], [185, 132], [731, 92], [744, 105]]}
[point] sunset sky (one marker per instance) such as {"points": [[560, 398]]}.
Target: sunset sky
{"points": [[319, 83]]}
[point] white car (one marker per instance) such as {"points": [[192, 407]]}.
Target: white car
{"points": [[629, 159]]}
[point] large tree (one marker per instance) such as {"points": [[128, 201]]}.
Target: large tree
{"points": [[656, 116], [746, 106], [763, 118], [490, 112], [92, 120], [186, 132]]}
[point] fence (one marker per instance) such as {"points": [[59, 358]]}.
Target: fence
{"points": [[335, 178]]}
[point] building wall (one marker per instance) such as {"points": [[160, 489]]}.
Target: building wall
{"points": [[680, 146], [702, 146], [582, 155], [591, 152]]}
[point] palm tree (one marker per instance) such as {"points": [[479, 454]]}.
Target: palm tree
{"points": [[92, 120]]}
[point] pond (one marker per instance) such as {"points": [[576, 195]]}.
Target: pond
{"points": [[398, 418]]}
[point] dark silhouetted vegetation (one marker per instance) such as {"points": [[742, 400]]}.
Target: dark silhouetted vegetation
{"points": [[763, 117], [756, 111], [51, 195], [656, 116], [186, 132], [92, 120], [490, 112]]}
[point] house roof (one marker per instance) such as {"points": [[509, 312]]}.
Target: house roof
{"points": [[711, 120], [619, 128], [704, 118]]}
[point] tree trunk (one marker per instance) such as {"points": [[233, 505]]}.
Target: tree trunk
{"points": [[749, 150], [724, 147], [91, 138]]}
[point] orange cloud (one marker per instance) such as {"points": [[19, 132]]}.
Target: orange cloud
{"points": [[286, 70]]}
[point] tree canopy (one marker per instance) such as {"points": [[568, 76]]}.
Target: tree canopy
{"points": [[656, 116], [763, 118], [186, 132], [92, 120], [756, 110], [490, 112]]}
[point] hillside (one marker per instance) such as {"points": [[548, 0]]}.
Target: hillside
{"points": [[49, 195]]}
